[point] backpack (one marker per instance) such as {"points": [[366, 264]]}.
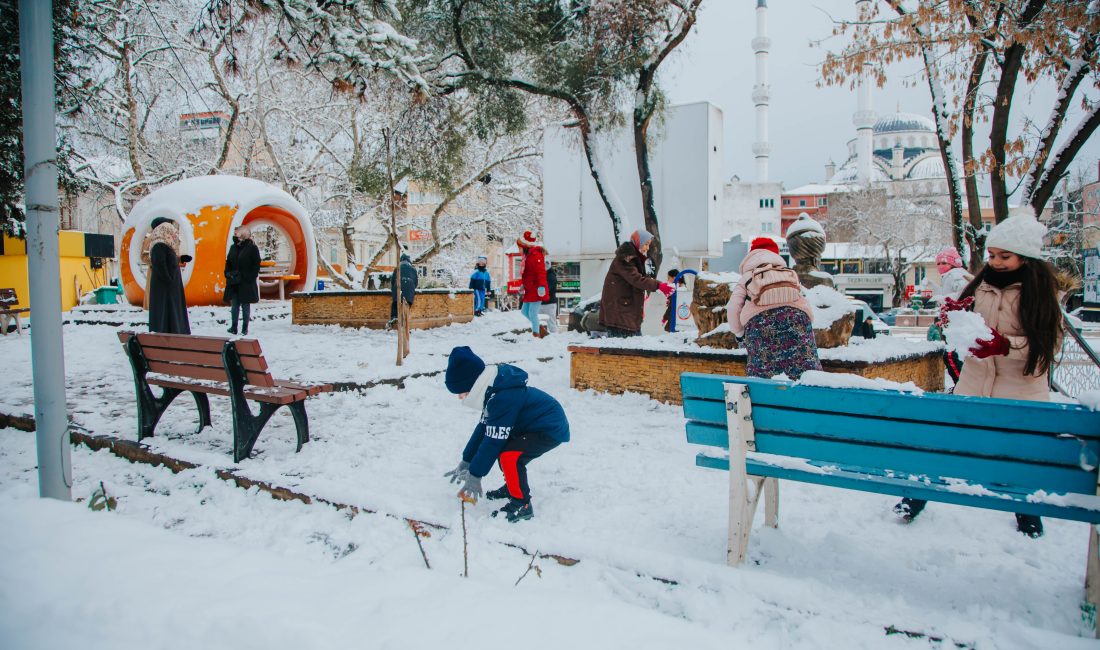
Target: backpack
{"points": [[771, 284]]}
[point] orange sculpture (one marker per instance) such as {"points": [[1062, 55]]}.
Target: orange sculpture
{"points": [[207, 210]]}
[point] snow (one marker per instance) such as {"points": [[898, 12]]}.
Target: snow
{"points": [[963, 330], [829, 305], [847, 380], [188, 560], [727, 277], [805, 224], [877, 350], [1090, 399]]}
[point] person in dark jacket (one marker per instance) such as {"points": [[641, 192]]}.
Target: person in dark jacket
{"points": [[482, 283], [518, 424], [623, 299], [550, 303], [408, 285], [242, 270], [167, 303]]}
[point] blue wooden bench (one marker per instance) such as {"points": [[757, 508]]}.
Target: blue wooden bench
{"points": [[1034, 458]]}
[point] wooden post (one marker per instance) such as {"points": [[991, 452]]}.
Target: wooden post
{"points": [[402, 342], [742, 504], [771, 502], [402, 328]]}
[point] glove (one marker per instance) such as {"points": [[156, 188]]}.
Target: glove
{"points": [[459, 473], [542, 292], [949, 305], [471, 490], [666, 289], [996, 346]]}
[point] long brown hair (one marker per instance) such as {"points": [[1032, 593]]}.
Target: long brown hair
{"points": [[1040, 314]]}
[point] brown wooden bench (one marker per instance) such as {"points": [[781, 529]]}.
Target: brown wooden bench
{"points": [[210, 365], [8, 311]]}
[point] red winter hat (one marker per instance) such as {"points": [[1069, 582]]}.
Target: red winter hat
{"points": [[527, 240], [766, 243]]}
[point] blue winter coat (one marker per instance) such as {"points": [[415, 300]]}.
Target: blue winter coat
{"points": [[480, 280], [512, 408]]}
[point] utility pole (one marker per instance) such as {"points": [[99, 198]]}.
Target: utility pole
{"points": [[43, 264]]}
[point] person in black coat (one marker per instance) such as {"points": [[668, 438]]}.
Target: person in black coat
{"points": [[242, 268], [550, 302], [167, 304], [408, 285]]}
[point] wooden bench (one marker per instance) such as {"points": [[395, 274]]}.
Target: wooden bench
{"points": [[1035, 458], [209, 365], [8, 311]]}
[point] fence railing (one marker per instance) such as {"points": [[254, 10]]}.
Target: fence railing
{"points": [[1077, 368]]}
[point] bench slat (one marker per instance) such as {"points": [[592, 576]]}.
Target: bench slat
{"points": [[261, 379], [1004, 414], [986, 471], [313, 389], [250, 347], [863, 482], [273, 395], [207, 359], [927, 436]]}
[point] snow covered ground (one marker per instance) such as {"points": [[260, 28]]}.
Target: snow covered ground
{"points": [[188, 560]]}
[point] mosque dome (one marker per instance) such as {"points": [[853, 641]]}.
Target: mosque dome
{"points": [[931, 167], [904, 122]]}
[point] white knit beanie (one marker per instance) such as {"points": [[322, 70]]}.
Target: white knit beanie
{"points": [[1022, 234]]}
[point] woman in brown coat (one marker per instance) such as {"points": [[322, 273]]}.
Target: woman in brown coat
{"points": [[1016, 292], [624, 288]]}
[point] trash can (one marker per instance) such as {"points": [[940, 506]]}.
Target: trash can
{"points": [[107, 295], [320, 285]]}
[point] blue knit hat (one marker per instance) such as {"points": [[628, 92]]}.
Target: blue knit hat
{"points": [[463, 369]]}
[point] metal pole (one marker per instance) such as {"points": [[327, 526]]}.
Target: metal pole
{"points": [[43, 263]]}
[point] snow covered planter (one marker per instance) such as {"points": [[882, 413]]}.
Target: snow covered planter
{"points": [[432, 308], [652, 365], [834, 316]]}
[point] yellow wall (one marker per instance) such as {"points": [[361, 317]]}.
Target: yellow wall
{"points": [[74, 269]]}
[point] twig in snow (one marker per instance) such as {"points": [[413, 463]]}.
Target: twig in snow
{"points": [[531, 565], [465, 545], [418, 531]]}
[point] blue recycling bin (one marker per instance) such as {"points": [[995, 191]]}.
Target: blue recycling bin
{"points": [[320, 285]]}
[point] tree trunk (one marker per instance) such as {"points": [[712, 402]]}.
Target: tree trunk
{"points": [[642, 117]]}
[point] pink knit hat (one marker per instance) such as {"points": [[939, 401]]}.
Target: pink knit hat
{"points": [[950, 257]]}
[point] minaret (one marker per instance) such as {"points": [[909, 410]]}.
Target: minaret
{"points": [[761, 91], [864, 118]]}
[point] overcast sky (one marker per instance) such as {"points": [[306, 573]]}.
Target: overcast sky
{"points": [[808, 125]]}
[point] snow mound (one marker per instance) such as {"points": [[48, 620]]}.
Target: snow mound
{"points": [[845, 380], [963, 330], [728, 277], [1090, 399], [829, 305]]}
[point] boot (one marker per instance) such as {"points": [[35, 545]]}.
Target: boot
{"points": [[543, 331], [1030, 525], [499, 493], [908, 509], [516, 510], [232, 330]]}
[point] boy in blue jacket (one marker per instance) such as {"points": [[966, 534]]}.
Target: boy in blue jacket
{"points": [[482, 283], [518, 424]]}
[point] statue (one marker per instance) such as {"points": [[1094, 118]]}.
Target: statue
{"points": [[806, 242]]}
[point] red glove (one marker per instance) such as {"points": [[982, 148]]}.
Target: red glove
{"points": [[666, 289], [996, 346]]}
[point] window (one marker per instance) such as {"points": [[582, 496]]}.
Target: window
{"points": [[332, 257], [850, 266], [801, 203], [766, 226], [822, 201], [786, 201]]}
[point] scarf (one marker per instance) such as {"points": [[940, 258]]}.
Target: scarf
{"points": [[1002, 279]]}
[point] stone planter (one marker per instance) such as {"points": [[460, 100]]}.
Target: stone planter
{"points": [[431, 308], [657, 372]]}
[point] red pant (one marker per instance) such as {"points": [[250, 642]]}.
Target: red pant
{"points": [[518, 451]]}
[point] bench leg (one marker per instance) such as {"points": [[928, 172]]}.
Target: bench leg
{"points": [[247, 427], [771, 502], [743, 496], [301, 422], [18, 325], [203, 404], [5, 320], [1092, 575]]}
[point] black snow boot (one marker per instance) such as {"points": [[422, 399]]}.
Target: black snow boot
{"points": [[1029, 525], [516, 510], [499, 493], [908, 509]]}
